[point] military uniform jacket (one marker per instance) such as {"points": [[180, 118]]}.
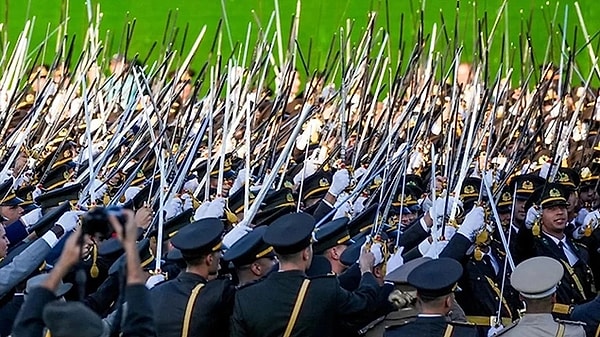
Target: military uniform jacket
{"points": [[577, 283], [480, 284], [211, 310], [394, 318], [137, 323], [542, 325], [17, 269], [377, 313], [321, 212], [411, 238], [264, 308], [432, 327], [589, 313]]}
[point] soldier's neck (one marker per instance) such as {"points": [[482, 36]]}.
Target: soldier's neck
{"points": [[555, 234], [198, 270], [538, 308], [289, 266]]}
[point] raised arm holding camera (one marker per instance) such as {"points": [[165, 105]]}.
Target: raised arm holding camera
{"points": [[75, 319]]}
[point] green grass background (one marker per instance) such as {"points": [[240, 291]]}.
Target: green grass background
{"points": [[320, 19]]}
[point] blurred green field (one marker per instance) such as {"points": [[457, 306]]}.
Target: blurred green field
{"points": [[320, 20]]}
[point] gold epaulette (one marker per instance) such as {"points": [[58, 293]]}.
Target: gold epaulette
{"points": [[488, 320], [563, 309]]}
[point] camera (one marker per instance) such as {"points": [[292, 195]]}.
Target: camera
{"points": [[96, 221]]}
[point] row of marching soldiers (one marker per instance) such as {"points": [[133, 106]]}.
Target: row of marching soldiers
{"points": [[309, 263], [282, 276]]}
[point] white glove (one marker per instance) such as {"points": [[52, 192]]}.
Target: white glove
{"points": [[341, 180], [426, 204], [474, 220], [436, 211], [131, 192], [187, 201], [358, 205], [343, 211], [173, 207], [532, 215], [394, 261], [377, 250], [69, 220], [32, 217], [591, 219], [98, 189], [494, 330], [154, 280], [435, 249], [201, 211], [309, 168], [37, 192], [236, 233], [191, 185], [239, 182], [302, 141], [424, 246], [215, 209], [310, 133], [580, 218]]}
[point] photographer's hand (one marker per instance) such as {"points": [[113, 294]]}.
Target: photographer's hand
{"points": [[70, 256], [127, 235], [143, 217]]}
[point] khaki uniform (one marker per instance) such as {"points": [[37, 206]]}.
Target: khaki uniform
{"points": [[542, 325], [404, 316], [394, 318]]}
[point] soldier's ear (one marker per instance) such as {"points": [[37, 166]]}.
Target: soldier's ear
{"points": [[448, 301], [208, 260], [334, 253], [307, 254], [255, 268], [378, 271]]}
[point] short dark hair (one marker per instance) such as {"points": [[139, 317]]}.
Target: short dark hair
{"points": [[288, 257], [432, 299], [195, 259]]}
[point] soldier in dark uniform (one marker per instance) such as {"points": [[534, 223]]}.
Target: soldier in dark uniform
{"points": [[403, 298], [288, 303], [339, 182], [435, 282], [252, 258], [524, 185], [481, 282], [191, 305], [570, 180], [547, 238], [332, 239]]}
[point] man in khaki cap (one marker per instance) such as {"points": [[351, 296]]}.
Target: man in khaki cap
{"points": [[536, 280]]}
